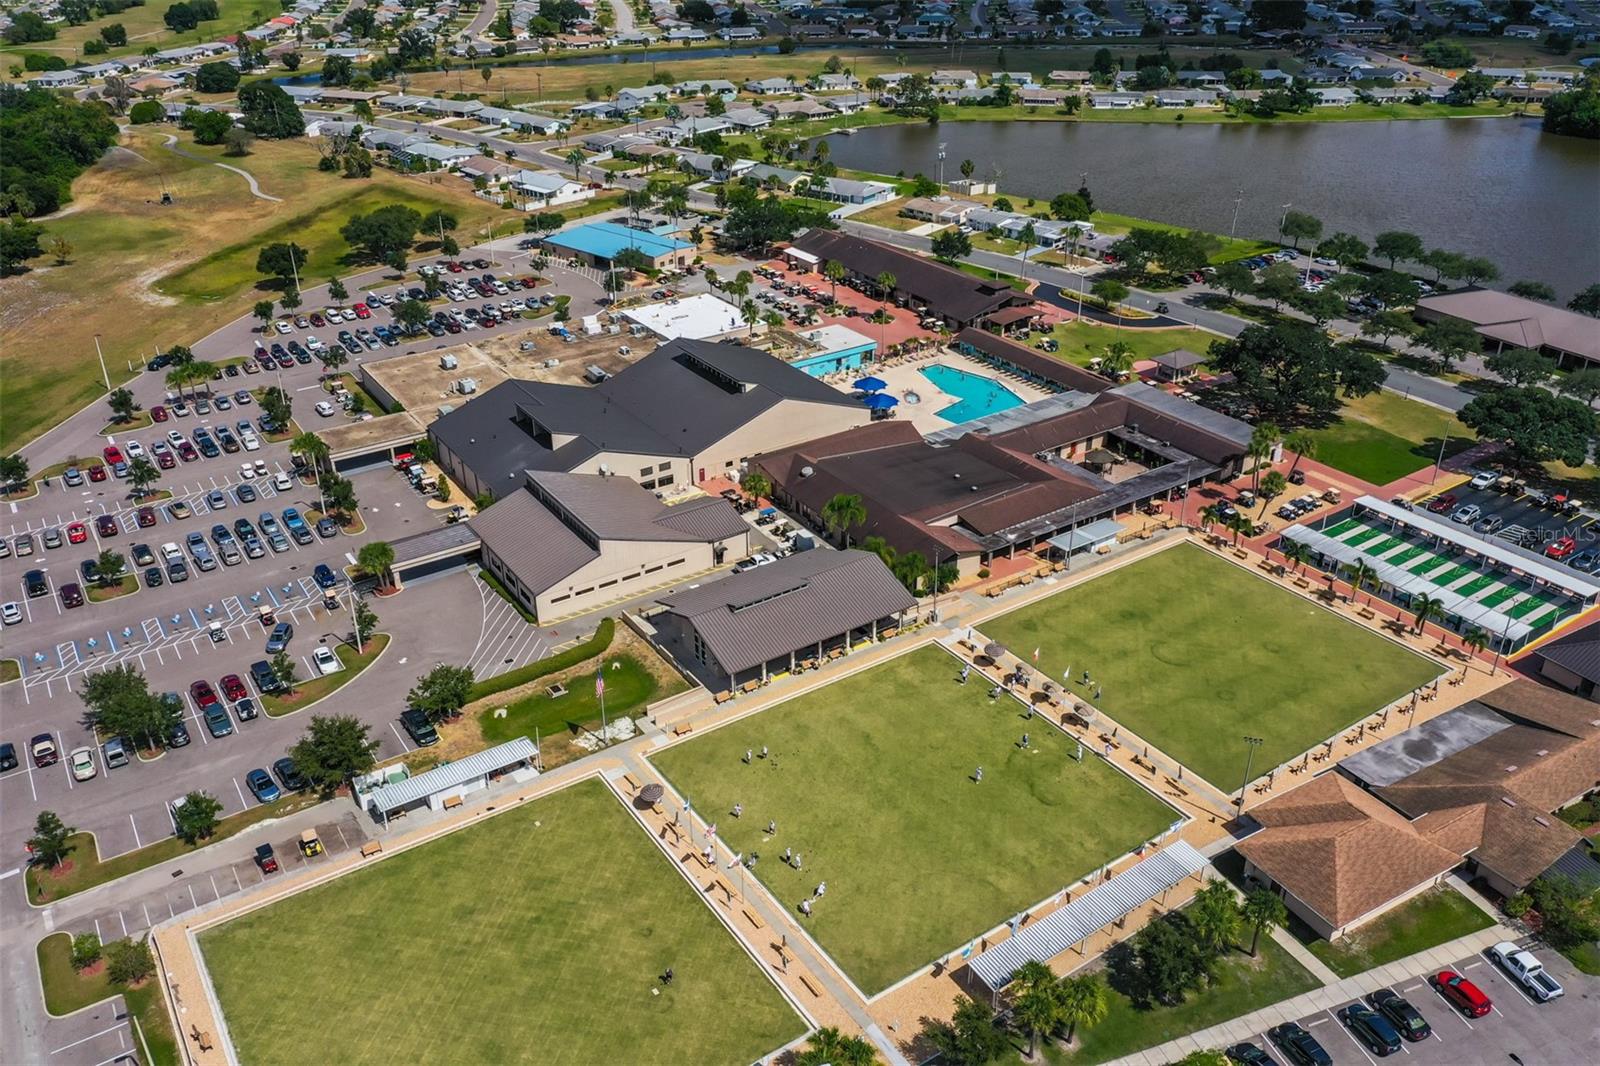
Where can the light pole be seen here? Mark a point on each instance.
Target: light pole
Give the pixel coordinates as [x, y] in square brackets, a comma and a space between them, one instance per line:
[1254, 743]
[104, 376]
[941, 166]
[1284, 221]
[1237, 200]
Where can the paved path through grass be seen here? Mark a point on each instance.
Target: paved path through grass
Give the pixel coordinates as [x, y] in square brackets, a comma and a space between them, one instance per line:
[1195, 653]
[536, 935]
[869, 779]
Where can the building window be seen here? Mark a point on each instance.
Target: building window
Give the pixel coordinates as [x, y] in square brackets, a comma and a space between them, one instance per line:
[608, 584]
[647, 484]
[653, 569]
[677, 562]
[664, 480]
[558, 599]
[584, 592]
[647, 471]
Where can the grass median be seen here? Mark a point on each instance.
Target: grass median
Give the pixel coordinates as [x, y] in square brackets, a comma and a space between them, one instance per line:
[67, 990]
[310, 691]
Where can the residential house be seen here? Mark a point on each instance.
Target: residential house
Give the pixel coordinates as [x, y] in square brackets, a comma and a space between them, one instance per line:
[544, 188]
[964, 79]
[850, 191]
[1071, 77]
[634, 97]
[739, 33]
[747, 119]
[797, 110]
[939, 209]
[707, 87]
[1115, 101]
[769, 86]
[834, 82]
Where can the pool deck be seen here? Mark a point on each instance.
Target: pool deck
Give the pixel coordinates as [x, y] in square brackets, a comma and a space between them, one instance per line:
[908, 377]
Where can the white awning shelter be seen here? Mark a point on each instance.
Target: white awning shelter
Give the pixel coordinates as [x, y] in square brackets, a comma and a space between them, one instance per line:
[801, 256]
[453, 779]
[1090, 536]
[1074, 923]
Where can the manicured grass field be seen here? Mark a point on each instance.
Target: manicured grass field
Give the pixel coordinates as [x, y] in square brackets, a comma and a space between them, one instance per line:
[628, 689]
[537, 934]
[146, 28]
[870, 780]
[1383, 437]
[1194, 653]
[1431, 919]
[1085, 340]
[1243, 985]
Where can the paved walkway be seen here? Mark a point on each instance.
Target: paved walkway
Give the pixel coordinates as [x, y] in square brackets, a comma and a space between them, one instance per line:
[1327, 997]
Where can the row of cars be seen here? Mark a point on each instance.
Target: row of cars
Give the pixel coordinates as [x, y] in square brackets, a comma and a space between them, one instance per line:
[1386, 1020]
[1562, 548]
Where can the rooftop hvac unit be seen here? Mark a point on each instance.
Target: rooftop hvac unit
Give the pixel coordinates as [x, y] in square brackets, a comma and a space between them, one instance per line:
[447, 362]
[467, 386]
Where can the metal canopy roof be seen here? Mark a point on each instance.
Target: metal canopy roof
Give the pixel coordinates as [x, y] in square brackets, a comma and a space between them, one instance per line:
[1043, 940]
[1087, 536]
[415, 789]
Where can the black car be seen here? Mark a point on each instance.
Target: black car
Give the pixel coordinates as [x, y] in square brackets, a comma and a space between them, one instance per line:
[142, 555]
[8, 757]
[1371, 1028]
[325, 577]
[178, 735]
[1247, 1054]
[1401, 1014]
[153, 578]
[1299, 1046]
[289, 776]
[419, 728]
[261, 673]
[35, 584]
[246, 493]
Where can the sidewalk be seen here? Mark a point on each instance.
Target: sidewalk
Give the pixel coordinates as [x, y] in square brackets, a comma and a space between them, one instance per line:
[1327, 997]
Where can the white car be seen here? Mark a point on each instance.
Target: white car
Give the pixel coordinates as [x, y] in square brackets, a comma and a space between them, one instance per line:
[82, 762]
[175, 438]
[261, 468]
[282, 482]
[11, 613]
[313, 344]
[1484, 478]
[133, 450]
[285, 327]
[325, 409]
[326, 661]
[171, 553]
[246, 470]
[250, 441]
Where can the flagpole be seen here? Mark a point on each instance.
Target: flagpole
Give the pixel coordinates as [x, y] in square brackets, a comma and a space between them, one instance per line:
[600, 690]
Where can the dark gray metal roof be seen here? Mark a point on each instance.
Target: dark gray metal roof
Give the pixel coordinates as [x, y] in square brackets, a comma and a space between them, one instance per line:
[790, 605]
[458, 536]
[1423, 745]
[532, 541]
[1578, 651]
[1179, 359]
[615, 508]
[948, 291]
[1187, 411]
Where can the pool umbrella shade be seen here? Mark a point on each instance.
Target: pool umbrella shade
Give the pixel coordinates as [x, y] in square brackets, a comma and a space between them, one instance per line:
[871, 384]
[651, 793]
[994, 650]
[881, 401]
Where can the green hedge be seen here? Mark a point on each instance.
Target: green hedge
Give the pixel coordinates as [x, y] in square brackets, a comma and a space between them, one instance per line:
[505, 594]
[595, 645]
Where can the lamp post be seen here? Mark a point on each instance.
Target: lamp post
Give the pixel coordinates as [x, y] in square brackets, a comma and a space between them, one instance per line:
[1254, 743]
[1237, 200]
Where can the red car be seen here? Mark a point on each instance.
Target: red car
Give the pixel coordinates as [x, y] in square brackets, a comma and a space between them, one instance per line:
[97, 472]
[1441, 504]
[203, 694]
[186, 452]
[112, 453]
[453, 266]
[165, 460]
[362, 311]
[233, 688]
[106, 526]
[158, 413]
[77, 533]
[1561, 547]
[147, 517]
[1462, 994]
[317, 319]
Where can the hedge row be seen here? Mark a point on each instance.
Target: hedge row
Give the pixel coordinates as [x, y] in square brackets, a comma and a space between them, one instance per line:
[595, 645]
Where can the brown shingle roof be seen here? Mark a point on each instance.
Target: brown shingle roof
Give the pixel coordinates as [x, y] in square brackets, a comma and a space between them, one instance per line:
[1341, 851]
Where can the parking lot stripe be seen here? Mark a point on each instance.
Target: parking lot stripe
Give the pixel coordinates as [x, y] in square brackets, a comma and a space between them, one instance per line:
[97, 935]
[85, 1040]
[147, 922]
[136, 842]
[403, 745]
[194, 899]
[123, 922]
[243, 804]
[61, 749]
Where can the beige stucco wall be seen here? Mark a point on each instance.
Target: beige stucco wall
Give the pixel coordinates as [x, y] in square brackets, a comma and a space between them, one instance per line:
[627, 568]
[782, 426]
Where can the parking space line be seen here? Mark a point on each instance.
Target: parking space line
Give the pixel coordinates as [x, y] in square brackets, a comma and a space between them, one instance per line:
[61, 750]
[242, 802]
[136, 841]
[123, 922]
[85, 1040]
[193, 899]
[147, 922]
[403, 745]
[97, 935]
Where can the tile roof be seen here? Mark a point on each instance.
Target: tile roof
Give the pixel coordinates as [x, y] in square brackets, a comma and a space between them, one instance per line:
[792, 604]
[532, 542]
[962, 297]
[1518, 321]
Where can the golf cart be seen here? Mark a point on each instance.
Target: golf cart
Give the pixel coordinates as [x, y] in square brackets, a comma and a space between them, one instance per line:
[266, 860]
[310, 844]
[218, 633]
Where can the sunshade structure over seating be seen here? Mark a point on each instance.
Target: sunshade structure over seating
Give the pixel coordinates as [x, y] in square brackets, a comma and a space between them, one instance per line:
[880, 401]
[994, 650]
[871, 384]
[1077, 921]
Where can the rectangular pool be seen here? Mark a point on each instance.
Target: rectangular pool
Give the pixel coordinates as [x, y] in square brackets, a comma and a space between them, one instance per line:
[977, 395]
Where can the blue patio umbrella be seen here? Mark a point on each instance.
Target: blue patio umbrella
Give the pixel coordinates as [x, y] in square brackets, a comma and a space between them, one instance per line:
[880, 401]
[871, 384]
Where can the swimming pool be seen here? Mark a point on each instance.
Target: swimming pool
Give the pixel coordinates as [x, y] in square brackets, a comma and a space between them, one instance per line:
[978, 395]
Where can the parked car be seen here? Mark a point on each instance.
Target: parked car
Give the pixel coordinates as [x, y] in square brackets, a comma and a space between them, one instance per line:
[289, 775]
[203, 694]
[1371, 1029]
[218, 724]
[1461, 993]
[10, 613]
[82, 763]
[1489, 524]
[279, 638]
[8, 757]
[1483, 479]
[262, 786]
[325, 661]
[324, 575]
[71, 595]
[265, 680]
[233, 688]
[1467, 514]
[1561, 547]
[1299, 1046]
[1527, 971]
[43, 750]
[1248, 1054]
[1442, 504]
[417, 726]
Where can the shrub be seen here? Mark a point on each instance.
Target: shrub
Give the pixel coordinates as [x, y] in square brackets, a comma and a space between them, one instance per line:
[146, 111]
[129, 961]
[1518, 905]
[85, 950]
[595, 645]
[983, 573]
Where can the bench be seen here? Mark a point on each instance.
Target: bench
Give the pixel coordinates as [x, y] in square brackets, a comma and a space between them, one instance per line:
[1301, 583]
[749, 686]
[201, 1037]
[723, 697]
[369, 850]
[1240, 553]
[682, 729]
[807, 985]
[452, 803]
[627, 779]
[750, 916]
[1367, 613]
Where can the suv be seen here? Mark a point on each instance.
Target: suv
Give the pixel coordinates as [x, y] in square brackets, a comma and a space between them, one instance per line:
[1299, 1046]
[279, 639]
[116, 753]
[261, 673]
[419, 728]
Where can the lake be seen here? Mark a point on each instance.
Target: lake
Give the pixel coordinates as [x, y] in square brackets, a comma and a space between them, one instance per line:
[1497, 188]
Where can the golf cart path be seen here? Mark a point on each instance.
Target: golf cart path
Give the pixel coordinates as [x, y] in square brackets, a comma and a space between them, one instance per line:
[255, 188]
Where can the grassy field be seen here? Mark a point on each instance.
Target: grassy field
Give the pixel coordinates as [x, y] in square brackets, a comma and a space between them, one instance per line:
[628, 688]
[1382, 437]
[124, 242]
[1243, 985]
[66, 990]
[1194, 653]
[1084, 340]
[1431, 919]
[870, 780]
[457, 970]
[145, 29]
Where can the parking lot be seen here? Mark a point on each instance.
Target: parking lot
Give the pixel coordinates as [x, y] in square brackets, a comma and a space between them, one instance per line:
[1516, 1030]
[1526, 522]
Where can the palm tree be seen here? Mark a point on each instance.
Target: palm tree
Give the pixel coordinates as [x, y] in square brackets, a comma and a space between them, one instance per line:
[313, 447]
[882, 549]
[1083, 1002]
[1427, 608]
[1476, 639]
[375, 558]
[1262, 909]
[829, 1047]
[833, 270]
[1118, 359]
[1296, 553]
[1361, 576]
[1215, 915]
[842, 512]
[575, 160]
[1037, 1003]
[1210, 515]
[1303, 443]
[756, 485]
[1262, 438]
[886, 284]
[1237, 525]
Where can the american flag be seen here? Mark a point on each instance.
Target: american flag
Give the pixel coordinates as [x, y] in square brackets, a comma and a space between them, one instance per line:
[1035, 654]
[599, 686]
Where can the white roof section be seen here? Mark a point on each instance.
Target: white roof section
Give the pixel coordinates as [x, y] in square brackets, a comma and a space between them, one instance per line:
[1088, 535]
[695, 317]
[837, 338]
[1125, 893]
[451, 775]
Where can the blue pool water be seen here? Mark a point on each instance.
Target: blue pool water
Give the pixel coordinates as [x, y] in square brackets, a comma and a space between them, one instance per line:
[979, 396]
